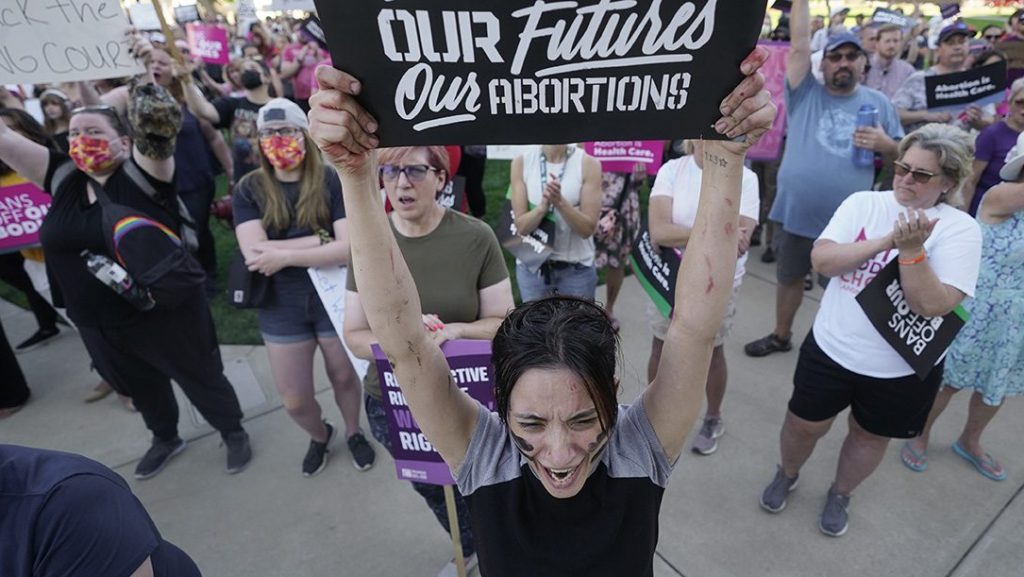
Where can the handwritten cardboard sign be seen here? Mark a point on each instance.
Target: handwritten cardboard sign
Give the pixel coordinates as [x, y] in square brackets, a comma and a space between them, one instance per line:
[921, 341]
[209, 42]
[186, 14]
[415, 458]
[144, 16]
[977, 86]
[22, 209]
[525, 72]
[622, 155]
[43, 42]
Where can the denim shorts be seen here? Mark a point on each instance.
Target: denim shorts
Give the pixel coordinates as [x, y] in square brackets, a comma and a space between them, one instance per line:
[562, 278]
[295, 319]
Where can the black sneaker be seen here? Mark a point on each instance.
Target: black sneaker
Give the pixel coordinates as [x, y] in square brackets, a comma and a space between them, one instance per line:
[42, 337]
[316, 455]
[768, 256]
[765, 346]
[239, 451]
[363, 454]
[157, 457]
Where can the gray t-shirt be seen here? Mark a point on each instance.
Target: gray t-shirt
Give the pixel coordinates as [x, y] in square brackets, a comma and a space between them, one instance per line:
[609, 528]
[817, 171]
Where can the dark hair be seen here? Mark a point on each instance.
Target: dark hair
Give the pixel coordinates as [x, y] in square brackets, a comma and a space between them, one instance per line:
[558, 332]
[27, 126]
[984, 55]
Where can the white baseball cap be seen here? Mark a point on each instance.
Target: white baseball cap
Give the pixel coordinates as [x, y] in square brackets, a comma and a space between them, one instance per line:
[282, 109]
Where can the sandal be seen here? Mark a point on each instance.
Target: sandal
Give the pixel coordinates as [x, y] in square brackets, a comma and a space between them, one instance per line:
[767, 345]
[987, 466]
[917, 462]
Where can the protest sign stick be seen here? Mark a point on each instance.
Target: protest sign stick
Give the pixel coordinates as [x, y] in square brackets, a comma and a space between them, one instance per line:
[453, 522]
[172, 48]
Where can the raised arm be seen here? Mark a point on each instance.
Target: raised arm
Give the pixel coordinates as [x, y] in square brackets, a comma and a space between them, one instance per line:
[674, 398]
[27, 158]
[798, 63]
[343, 131]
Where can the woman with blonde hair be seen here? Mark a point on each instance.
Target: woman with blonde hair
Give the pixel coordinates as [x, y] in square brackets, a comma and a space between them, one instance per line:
[56, 115]
[289, 216]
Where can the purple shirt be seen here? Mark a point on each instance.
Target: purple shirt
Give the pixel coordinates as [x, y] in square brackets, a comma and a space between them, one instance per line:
[992, 146]
[888, 80]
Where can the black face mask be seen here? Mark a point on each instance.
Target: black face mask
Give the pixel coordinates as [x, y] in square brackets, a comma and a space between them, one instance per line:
[251, 80]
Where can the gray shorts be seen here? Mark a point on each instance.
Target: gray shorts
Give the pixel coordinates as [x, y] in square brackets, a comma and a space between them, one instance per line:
[295, 319]
[659, 324]
[793, 257]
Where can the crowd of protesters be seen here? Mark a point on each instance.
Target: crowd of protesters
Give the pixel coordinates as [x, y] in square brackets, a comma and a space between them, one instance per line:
[942, 194]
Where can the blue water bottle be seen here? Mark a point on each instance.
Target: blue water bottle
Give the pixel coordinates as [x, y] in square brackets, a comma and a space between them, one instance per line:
[866, 116]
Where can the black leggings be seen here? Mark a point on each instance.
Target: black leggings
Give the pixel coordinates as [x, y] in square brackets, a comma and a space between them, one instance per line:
[12, 271]
[181, 344]
[13, 389]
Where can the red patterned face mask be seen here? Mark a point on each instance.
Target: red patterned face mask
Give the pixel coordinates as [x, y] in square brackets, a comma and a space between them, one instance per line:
[91, 155]
[283, 152]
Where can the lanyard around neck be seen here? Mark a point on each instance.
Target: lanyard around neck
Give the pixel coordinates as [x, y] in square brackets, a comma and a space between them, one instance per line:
[544, 167]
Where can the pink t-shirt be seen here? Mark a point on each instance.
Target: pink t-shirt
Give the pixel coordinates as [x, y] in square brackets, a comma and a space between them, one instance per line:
[303, 80]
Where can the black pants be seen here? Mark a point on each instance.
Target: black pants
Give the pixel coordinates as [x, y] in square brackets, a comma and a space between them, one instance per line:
[13, 389]
[472, 167]
[181, 344]
[12, 272]
[198, 203]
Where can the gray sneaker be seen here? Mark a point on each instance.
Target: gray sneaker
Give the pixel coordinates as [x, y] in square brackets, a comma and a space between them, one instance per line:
[707, 438]
[773, 499]
[835, 519]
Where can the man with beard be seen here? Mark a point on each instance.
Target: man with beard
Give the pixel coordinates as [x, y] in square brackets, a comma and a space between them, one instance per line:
[950, 56]
[817, 171]
[888, 72]
[237, 113]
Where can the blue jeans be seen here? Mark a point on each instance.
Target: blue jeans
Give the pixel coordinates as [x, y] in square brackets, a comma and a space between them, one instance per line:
[432, 494]
[557, 278]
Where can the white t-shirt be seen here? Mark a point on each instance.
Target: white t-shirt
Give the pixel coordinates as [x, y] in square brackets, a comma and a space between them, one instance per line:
[841, 329]
[680, 180]
[568, 246]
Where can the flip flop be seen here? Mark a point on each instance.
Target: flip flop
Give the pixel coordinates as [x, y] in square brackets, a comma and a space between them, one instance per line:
[987, 466]
[917, 462]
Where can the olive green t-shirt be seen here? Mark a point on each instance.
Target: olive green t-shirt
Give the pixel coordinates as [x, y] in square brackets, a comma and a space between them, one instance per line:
[451, 265]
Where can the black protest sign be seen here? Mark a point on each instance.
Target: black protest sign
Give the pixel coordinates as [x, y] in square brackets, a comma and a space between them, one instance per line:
[311, 26]
[454, 194]
[186, 14]
[920, 340]
[44, 42]
[657, 271]
[526, 72]
[783, 5]
[533, 249]
[950, 10]
[977, 86]
[885, 16]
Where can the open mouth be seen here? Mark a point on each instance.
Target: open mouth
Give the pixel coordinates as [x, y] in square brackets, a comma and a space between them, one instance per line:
[406, 200]
[561, 478]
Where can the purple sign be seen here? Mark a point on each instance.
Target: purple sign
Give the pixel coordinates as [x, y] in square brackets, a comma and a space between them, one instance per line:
[22, 209]
[415, 458]
[774, 70]
[209, 42]
[621, 155]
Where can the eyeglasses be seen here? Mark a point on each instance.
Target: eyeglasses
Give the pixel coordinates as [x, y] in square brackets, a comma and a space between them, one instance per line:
[992, 37]
[286, 131]
[919, 176]
[836, 57]
[96, 108]
[414, 172]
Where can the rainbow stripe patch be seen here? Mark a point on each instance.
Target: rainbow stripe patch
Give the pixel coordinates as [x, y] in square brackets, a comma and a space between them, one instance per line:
[130, 223]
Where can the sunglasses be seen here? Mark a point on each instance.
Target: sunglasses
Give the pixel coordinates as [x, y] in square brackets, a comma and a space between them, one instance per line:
[836, 57]
[992, 37]
[286, 131]
[919, 176]
[414, 172]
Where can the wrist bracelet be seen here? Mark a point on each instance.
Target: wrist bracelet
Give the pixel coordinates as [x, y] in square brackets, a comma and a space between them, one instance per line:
[915, 260]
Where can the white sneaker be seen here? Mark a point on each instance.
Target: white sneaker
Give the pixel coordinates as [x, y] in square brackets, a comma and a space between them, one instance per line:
[449, 570]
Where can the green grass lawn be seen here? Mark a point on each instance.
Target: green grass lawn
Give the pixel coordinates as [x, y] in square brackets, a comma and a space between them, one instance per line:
[238, 327]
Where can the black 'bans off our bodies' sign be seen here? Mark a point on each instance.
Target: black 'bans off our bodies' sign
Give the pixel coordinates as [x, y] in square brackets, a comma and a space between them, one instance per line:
[528, 72]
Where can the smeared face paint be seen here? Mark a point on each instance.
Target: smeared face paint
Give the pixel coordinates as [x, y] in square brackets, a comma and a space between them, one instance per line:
[554, 424]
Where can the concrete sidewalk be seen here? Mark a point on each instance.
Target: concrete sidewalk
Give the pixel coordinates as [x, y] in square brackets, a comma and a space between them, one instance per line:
[270, 521]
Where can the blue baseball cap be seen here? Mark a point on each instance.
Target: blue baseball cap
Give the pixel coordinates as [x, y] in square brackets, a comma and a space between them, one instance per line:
[841, 39]
[954, 29]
